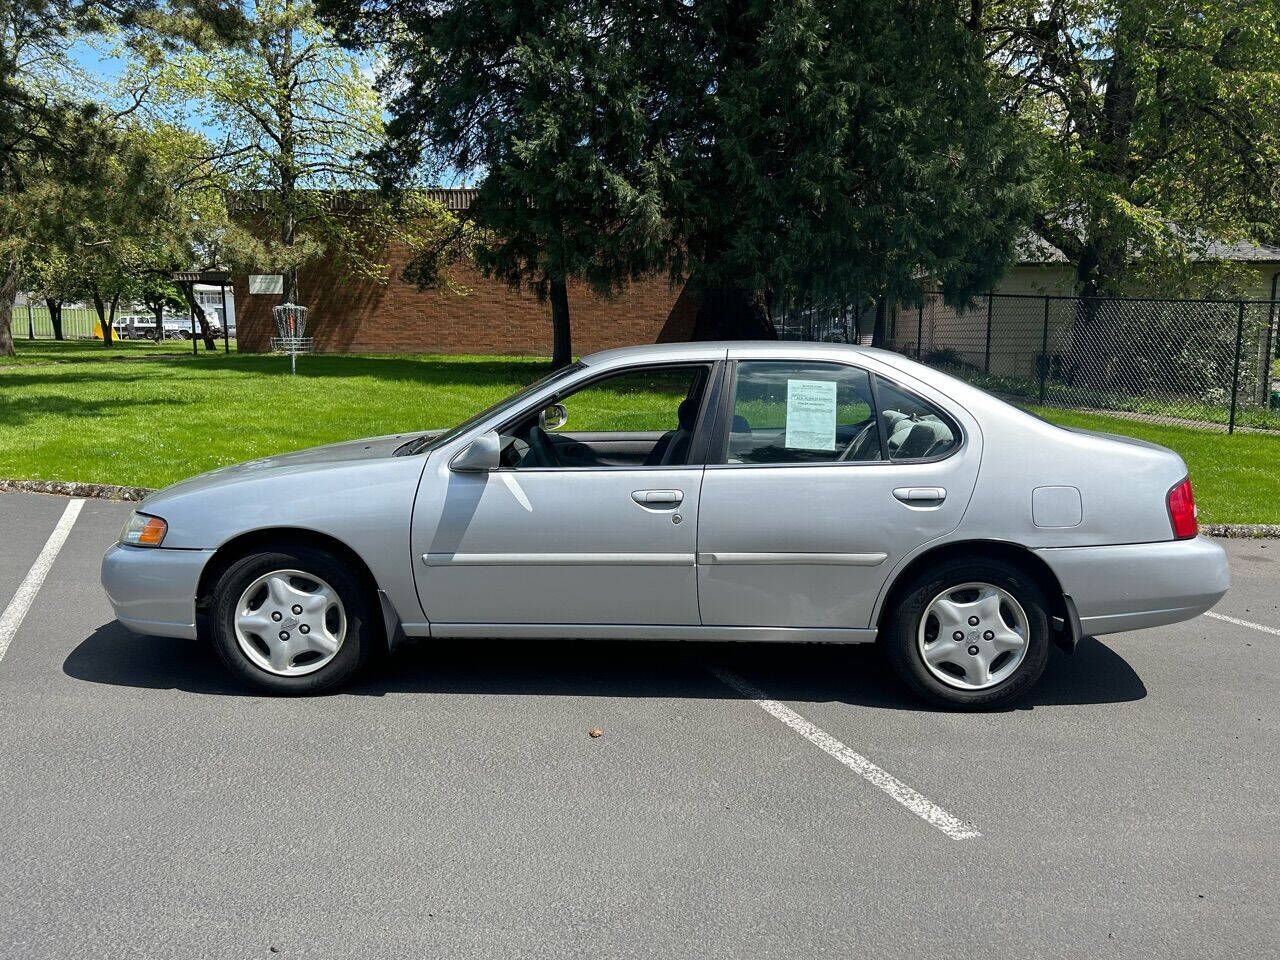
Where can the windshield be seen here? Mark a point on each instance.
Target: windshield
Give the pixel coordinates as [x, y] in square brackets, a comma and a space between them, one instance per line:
[429, 442]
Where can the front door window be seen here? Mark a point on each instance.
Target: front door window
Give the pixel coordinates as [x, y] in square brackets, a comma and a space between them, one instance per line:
[639, 418]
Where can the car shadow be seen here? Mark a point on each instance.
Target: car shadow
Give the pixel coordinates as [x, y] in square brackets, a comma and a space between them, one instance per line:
[853, 674]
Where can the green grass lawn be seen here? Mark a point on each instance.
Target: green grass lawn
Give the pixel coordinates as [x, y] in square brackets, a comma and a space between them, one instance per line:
[143, 414]
[38, 352]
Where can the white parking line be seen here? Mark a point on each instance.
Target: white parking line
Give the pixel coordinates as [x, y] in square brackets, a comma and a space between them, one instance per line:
[17, 609]
[914, 801]
[1243, 623]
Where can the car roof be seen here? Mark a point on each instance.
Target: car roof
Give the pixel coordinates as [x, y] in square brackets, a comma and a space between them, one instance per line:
[655, 352]
[658, 352]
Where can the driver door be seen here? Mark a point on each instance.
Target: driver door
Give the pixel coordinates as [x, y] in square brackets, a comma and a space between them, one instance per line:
[589, 522]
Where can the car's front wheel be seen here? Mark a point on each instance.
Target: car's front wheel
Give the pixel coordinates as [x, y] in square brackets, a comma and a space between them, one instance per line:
[292, 621]
[970, 633]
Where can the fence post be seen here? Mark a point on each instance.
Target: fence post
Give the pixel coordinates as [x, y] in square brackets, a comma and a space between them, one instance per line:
[1044, 351]
[919, 327]
[986, 357]
[226, 336]
[1235, 376]
[1268, 347]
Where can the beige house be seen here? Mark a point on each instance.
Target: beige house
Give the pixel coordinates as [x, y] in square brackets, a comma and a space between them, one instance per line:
[1024, 325]
[1044, 269]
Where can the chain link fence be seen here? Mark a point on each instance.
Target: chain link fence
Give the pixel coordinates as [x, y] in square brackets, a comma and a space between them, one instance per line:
[1202, 363]
[31, 321]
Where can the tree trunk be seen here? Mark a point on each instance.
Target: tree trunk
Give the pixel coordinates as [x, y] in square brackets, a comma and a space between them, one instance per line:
[104, 324]
[287, 231]
[8, 294]
[733, 313]
[54, 306]
[561, 336]
[115, 302]
[287, 236]
[877, 331]
[206, 332]
[287, 164]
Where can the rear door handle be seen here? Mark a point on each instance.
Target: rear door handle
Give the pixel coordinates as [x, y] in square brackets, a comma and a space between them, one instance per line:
[658, 498]
[920, 495]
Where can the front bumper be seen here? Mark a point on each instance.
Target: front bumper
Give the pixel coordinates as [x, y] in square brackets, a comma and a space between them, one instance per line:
[153, 589]
[1136, 585]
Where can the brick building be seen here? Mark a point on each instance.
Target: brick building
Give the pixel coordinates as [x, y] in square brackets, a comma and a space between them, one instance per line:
[346, 314]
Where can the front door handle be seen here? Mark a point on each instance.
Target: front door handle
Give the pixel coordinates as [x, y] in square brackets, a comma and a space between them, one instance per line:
[658, 498]
[920, 496]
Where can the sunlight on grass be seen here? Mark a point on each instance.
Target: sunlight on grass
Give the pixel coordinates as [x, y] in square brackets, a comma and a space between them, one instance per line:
[152, 422]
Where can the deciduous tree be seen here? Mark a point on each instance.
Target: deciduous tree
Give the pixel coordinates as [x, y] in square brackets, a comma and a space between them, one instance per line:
[1157, 125]
[297, 115]
[49, 134]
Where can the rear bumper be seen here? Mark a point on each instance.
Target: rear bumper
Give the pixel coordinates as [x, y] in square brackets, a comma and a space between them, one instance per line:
[153, 590]
[1137, 585]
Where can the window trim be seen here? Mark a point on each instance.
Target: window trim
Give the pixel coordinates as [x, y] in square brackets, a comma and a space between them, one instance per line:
[720, 440]
[697, 443]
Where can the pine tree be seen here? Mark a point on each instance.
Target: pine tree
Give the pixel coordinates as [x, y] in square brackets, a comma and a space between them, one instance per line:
[758, 149]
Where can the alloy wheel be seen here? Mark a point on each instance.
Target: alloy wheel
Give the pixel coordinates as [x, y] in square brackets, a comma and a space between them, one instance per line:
[290, 623]
[973, 636]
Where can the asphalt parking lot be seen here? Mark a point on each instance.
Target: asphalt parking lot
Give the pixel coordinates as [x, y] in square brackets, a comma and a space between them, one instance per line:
[453, 804]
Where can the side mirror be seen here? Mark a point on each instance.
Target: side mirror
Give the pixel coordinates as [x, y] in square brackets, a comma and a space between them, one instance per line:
[553, 417]
[481, 455]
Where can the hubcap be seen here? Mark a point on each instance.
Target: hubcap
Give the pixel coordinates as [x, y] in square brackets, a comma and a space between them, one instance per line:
[973, 636]
[290, 623]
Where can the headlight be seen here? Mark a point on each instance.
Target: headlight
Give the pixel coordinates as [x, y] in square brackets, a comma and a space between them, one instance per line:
[142, 530]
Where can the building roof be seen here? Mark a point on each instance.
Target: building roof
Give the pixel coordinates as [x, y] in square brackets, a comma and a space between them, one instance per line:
[1033, 248]
[453, 199]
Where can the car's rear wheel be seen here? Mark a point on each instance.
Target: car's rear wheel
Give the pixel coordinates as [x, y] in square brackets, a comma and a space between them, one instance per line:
[970, 633]
[291, 621]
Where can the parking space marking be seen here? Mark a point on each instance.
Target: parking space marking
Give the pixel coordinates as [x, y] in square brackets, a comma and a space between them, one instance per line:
[1243, 623]
[17, 609]
[913, 800]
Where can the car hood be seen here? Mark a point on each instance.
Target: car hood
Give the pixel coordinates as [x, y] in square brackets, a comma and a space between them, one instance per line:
[299, 461]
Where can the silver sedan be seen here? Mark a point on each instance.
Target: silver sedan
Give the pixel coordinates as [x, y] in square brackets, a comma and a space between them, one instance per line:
[749, 491]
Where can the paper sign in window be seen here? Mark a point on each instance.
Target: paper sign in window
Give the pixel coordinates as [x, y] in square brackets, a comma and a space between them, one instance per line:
[811, 414]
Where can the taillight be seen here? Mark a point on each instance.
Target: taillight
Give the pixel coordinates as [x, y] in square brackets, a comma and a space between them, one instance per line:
[1182, 511]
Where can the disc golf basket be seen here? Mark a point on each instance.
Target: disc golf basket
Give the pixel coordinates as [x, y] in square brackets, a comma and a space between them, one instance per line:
[291, 325]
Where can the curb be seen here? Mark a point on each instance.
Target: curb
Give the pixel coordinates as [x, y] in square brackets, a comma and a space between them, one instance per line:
[71, 488]
[109, 491]
[1241, 530]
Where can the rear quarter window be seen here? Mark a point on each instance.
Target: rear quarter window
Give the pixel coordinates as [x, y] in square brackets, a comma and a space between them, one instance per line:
[914, 428]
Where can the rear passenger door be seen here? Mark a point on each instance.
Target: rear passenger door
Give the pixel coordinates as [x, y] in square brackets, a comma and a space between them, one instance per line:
[825, 475]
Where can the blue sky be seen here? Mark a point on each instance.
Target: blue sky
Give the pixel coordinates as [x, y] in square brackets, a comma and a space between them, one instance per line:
[105, 69]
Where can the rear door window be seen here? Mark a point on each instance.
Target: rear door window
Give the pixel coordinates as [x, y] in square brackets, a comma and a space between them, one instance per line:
[787, 411]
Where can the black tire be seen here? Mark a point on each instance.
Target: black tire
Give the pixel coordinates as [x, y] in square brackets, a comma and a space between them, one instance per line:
[904, 623]
[356, 646]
